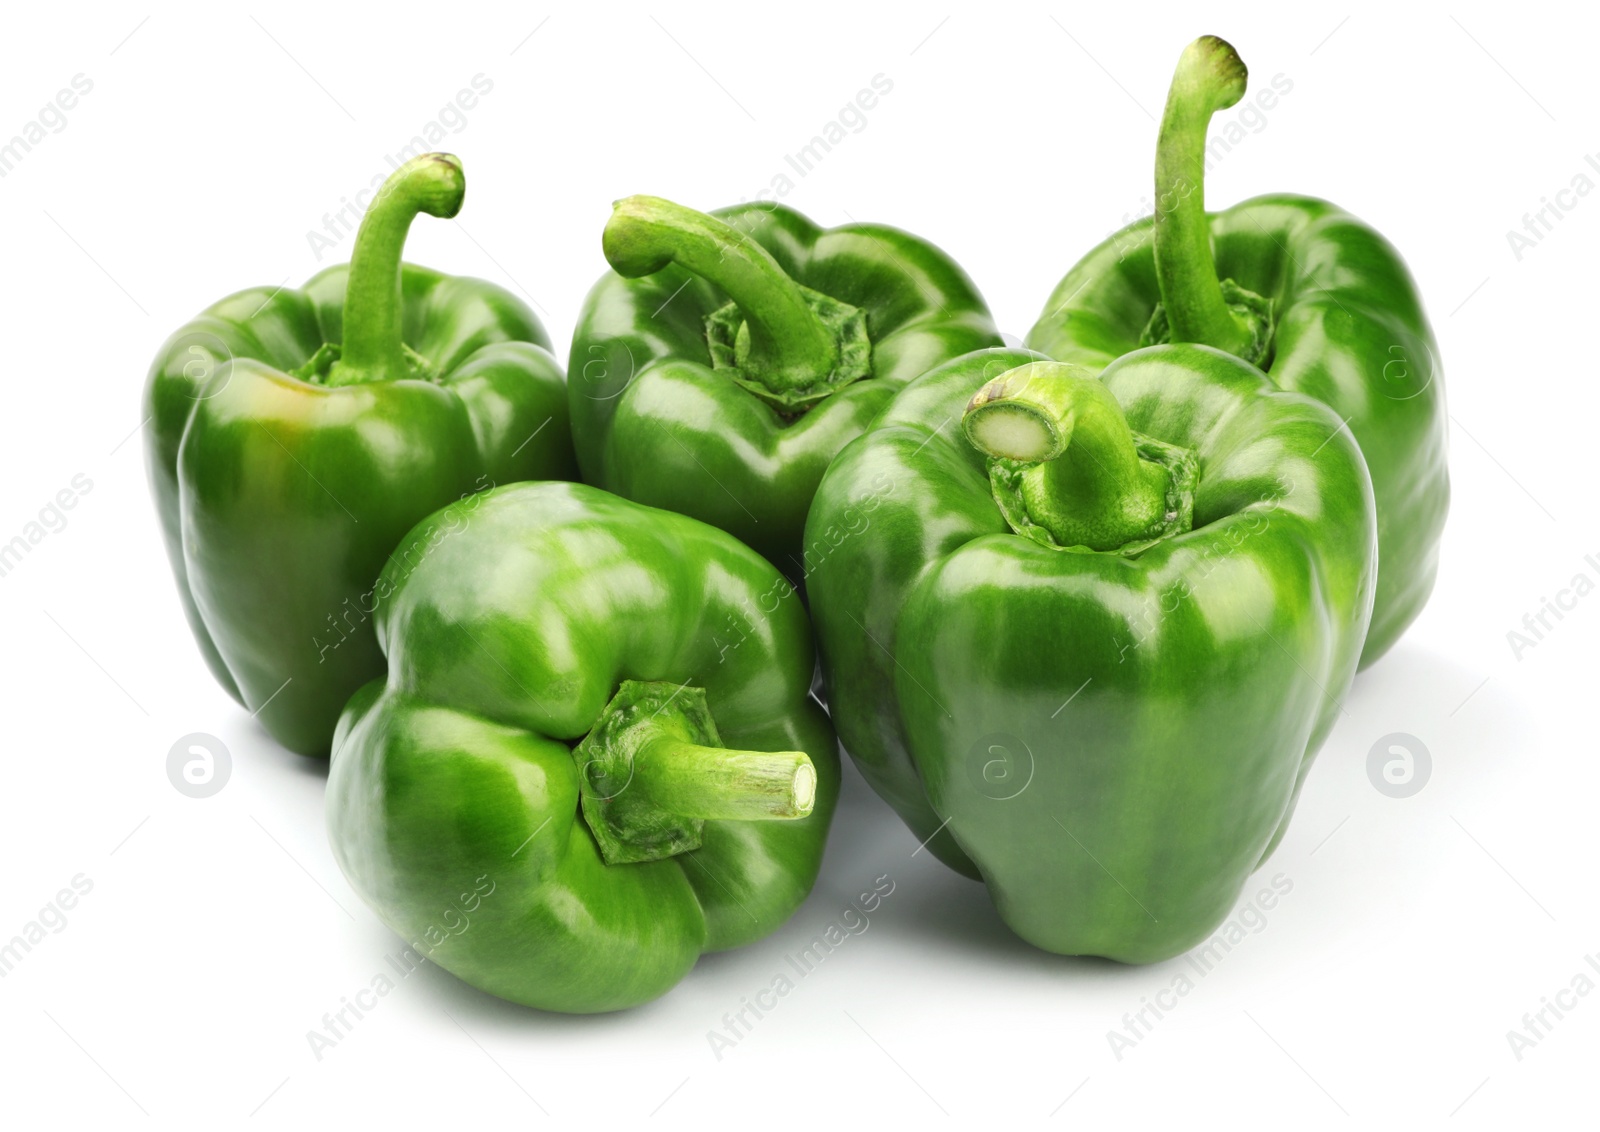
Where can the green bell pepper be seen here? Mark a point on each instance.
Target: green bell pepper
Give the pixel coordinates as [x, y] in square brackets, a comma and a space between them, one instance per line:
[1087, 643]
[293, 437]
[724, 362]
[1318, 299]
[595, 755]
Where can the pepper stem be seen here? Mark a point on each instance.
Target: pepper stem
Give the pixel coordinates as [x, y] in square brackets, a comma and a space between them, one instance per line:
[653, 770]
[373, 349]
[786, 345]
[715, 783]
[1087, 484]
[1210, 77]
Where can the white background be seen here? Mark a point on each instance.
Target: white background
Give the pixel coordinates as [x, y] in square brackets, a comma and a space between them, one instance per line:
[219, 931]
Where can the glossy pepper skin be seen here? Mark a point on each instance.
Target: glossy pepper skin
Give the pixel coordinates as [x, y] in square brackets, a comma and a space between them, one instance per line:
[1112, 739]
[456, 803]
[292, 439]
[741, 441]
[1345, 324]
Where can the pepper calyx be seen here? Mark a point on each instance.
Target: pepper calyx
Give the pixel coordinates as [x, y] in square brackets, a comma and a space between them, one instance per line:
[1254, 312]
[728, 338]
[653, 770]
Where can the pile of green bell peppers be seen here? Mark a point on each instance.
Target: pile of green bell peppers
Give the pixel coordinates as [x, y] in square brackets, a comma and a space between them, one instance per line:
[1085, 610]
